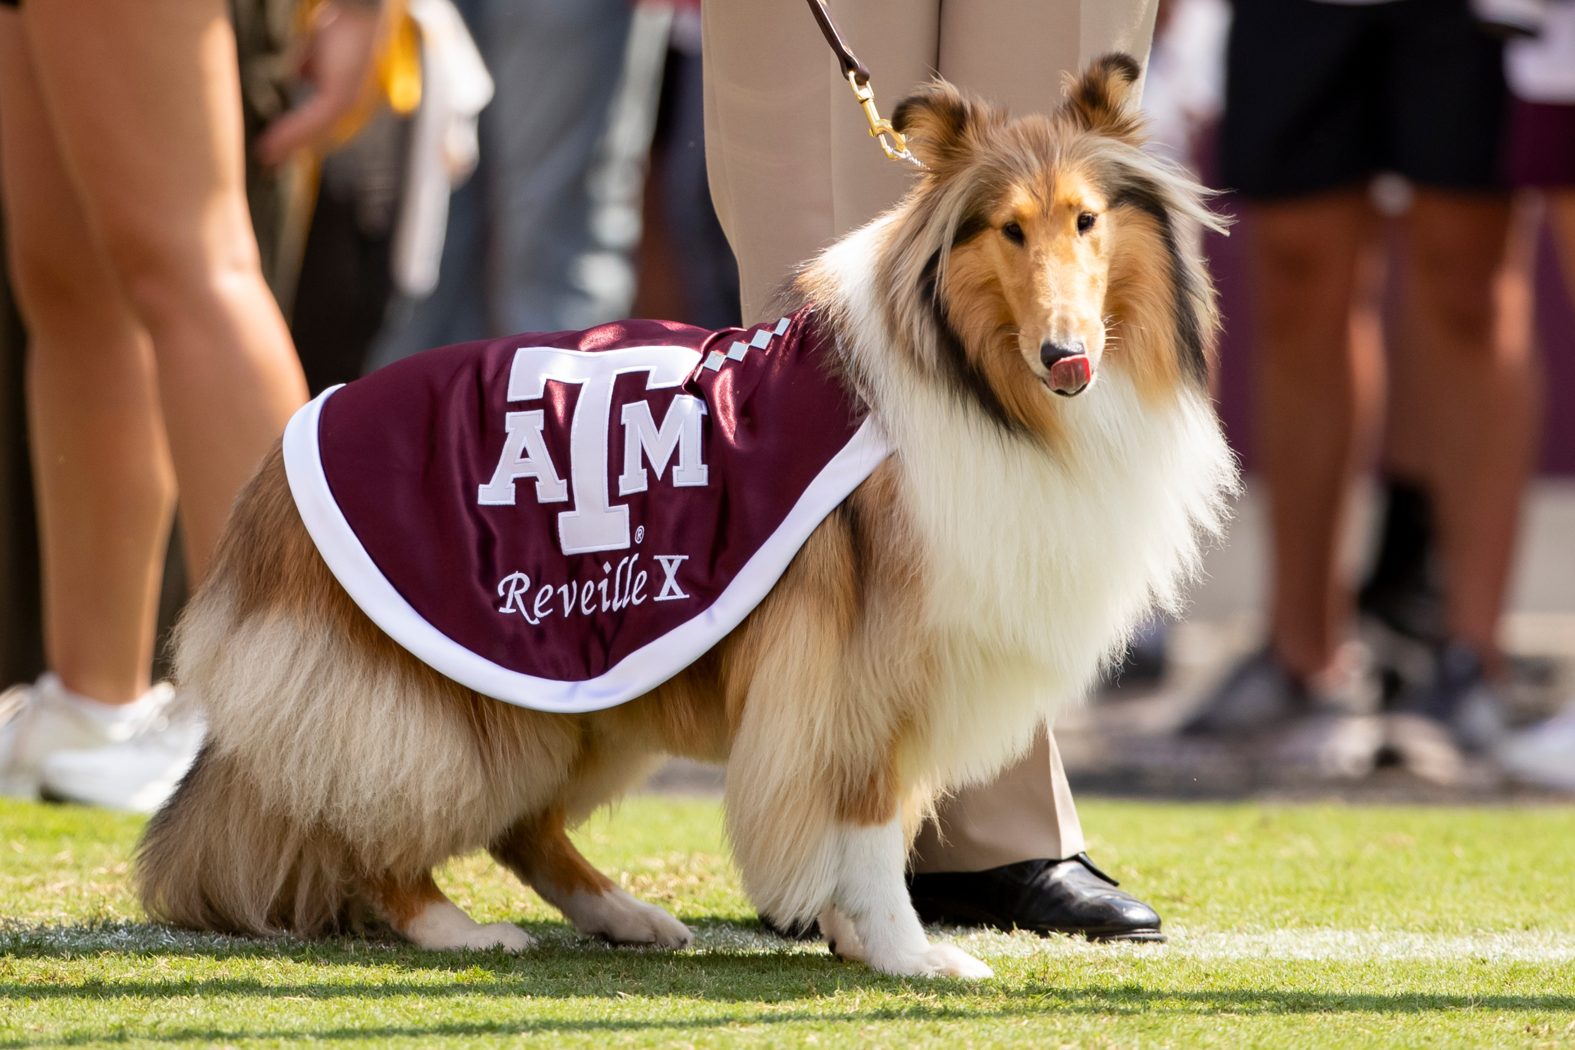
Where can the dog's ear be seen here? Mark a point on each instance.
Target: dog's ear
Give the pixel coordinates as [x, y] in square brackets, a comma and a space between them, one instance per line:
[940, 123]
[1104, 99]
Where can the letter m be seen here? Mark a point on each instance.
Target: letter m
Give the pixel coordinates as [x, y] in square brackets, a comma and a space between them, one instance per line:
[644, 440]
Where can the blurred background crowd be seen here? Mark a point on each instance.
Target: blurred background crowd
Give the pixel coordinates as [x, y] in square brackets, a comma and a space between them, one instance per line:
[1397, 602]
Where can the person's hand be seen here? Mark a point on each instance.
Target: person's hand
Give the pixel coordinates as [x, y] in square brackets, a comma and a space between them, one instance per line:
[337, 64]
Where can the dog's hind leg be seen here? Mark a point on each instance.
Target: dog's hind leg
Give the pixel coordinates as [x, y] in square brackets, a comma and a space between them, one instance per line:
[423, 915]
[538, 850]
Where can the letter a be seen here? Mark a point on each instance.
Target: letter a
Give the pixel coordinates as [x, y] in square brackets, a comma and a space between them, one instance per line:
[524, 455]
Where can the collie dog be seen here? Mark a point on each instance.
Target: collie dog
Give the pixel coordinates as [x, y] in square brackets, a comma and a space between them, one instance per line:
[1031, 327]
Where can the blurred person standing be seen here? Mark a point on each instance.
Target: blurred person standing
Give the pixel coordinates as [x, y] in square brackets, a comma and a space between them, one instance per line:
[268, 33]
[792, 167]
[687, 270]
[541, 237]
[1322, 96]
[158, 358]
[1541, 155]
[1542, 160]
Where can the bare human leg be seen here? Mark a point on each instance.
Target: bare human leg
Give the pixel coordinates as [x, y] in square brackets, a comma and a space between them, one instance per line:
[144, 102]
[1467, 316]
[100, 461]
[1318, 377]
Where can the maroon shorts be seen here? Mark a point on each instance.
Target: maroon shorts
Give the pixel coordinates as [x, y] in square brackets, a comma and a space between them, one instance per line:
[1541, 144]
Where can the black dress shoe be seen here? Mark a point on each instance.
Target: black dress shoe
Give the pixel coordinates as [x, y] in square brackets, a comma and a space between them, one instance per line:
[1046, 896]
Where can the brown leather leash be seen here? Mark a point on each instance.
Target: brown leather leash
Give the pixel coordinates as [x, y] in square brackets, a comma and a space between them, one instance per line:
[857, 75]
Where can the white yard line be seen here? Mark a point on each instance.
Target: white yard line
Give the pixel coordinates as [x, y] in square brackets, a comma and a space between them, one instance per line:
[1311, 945]
[1290, 945]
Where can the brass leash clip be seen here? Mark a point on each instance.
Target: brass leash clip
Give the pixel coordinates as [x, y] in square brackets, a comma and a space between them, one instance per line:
[881, 129]
[892, 142]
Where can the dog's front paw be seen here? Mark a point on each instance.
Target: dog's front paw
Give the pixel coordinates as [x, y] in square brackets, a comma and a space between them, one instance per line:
[503, 935]
[938, 960]
[623, 919]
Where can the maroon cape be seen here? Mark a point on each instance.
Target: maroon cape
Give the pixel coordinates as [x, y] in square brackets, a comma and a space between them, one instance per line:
[564, 521]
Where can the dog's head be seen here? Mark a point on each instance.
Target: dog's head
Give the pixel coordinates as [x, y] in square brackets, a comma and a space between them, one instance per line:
[1050, 247]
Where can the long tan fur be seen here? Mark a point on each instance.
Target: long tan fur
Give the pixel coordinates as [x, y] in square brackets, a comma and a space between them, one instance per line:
[971, 585]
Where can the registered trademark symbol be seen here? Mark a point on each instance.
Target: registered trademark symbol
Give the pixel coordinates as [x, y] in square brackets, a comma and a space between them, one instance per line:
[639, 534]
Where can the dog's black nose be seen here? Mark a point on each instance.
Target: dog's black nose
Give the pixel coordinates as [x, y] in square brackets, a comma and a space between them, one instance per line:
[1050, 353]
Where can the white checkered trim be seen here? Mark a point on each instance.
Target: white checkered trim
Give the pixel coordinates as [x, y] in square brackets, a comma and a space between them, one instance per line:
[736, 352]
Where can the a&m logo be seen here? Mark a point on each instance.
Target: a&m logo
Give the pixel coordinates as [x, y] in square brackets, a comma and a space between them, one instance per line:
[594, 522]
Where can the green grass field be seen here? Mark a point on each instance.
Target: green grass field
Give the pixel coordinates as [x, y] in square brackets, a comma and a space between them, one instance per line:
[1319, 926]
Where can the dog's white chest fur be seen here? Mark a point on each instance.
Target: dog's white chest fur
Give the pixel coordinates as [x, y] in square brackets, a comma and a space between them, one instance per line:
[1043, 564]
[1038, 562]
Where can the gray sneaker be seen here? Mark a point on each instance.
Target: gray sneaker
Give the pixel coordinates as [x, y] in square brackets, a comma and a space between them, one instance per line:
[1255, 694]
[1461, 700]
[1438, 727]
[1328, 745]
[1423, 747]
[1260, 694]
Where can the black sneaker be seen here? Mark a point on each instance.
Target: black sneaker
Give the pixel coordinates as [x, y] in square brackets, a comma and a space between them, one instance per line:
[1461, 700]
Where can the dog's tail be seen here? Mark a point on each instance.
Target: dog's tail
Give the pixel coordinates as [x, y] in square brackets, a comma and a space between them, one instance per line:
[214, 858]
[228, 851]
[334, 758]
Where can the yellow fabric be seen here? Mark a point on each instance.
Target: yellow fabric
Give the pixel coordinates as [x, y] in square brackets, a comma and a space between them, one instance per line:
[399, 61]
[396, 68]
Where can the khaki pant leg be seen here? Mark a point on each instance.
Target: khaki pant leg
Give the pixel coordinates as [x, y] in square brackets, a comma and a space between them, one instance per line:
[1017, 52]
[791, 167]
[1026, 812]
[788, 155]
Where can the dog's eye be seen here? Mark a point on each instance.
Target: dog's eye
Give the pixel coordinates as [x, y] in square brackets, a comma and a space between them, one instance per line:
[1085, 221]
[1013, 232]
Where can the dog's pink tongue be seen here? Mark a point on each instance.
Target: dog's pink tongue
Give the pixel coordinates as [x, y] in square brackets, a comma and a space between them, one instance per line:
[1071, 374]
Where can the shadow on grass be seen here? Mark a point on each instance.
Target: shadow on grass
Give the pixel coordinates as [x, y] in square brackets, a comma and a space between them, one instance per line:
[566, 968]
[1087, 1001]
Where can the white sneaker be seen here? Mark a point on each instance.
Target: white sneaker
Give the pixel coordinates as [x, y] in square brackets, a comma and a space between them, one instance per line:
[45, 717]
[1544, 754]
[1425, 747]
[1329, 745]
[136, 774]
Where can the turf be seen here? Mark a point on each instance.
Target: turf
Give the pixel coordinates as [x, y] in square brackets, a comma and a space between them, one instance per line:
[1326, 926]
